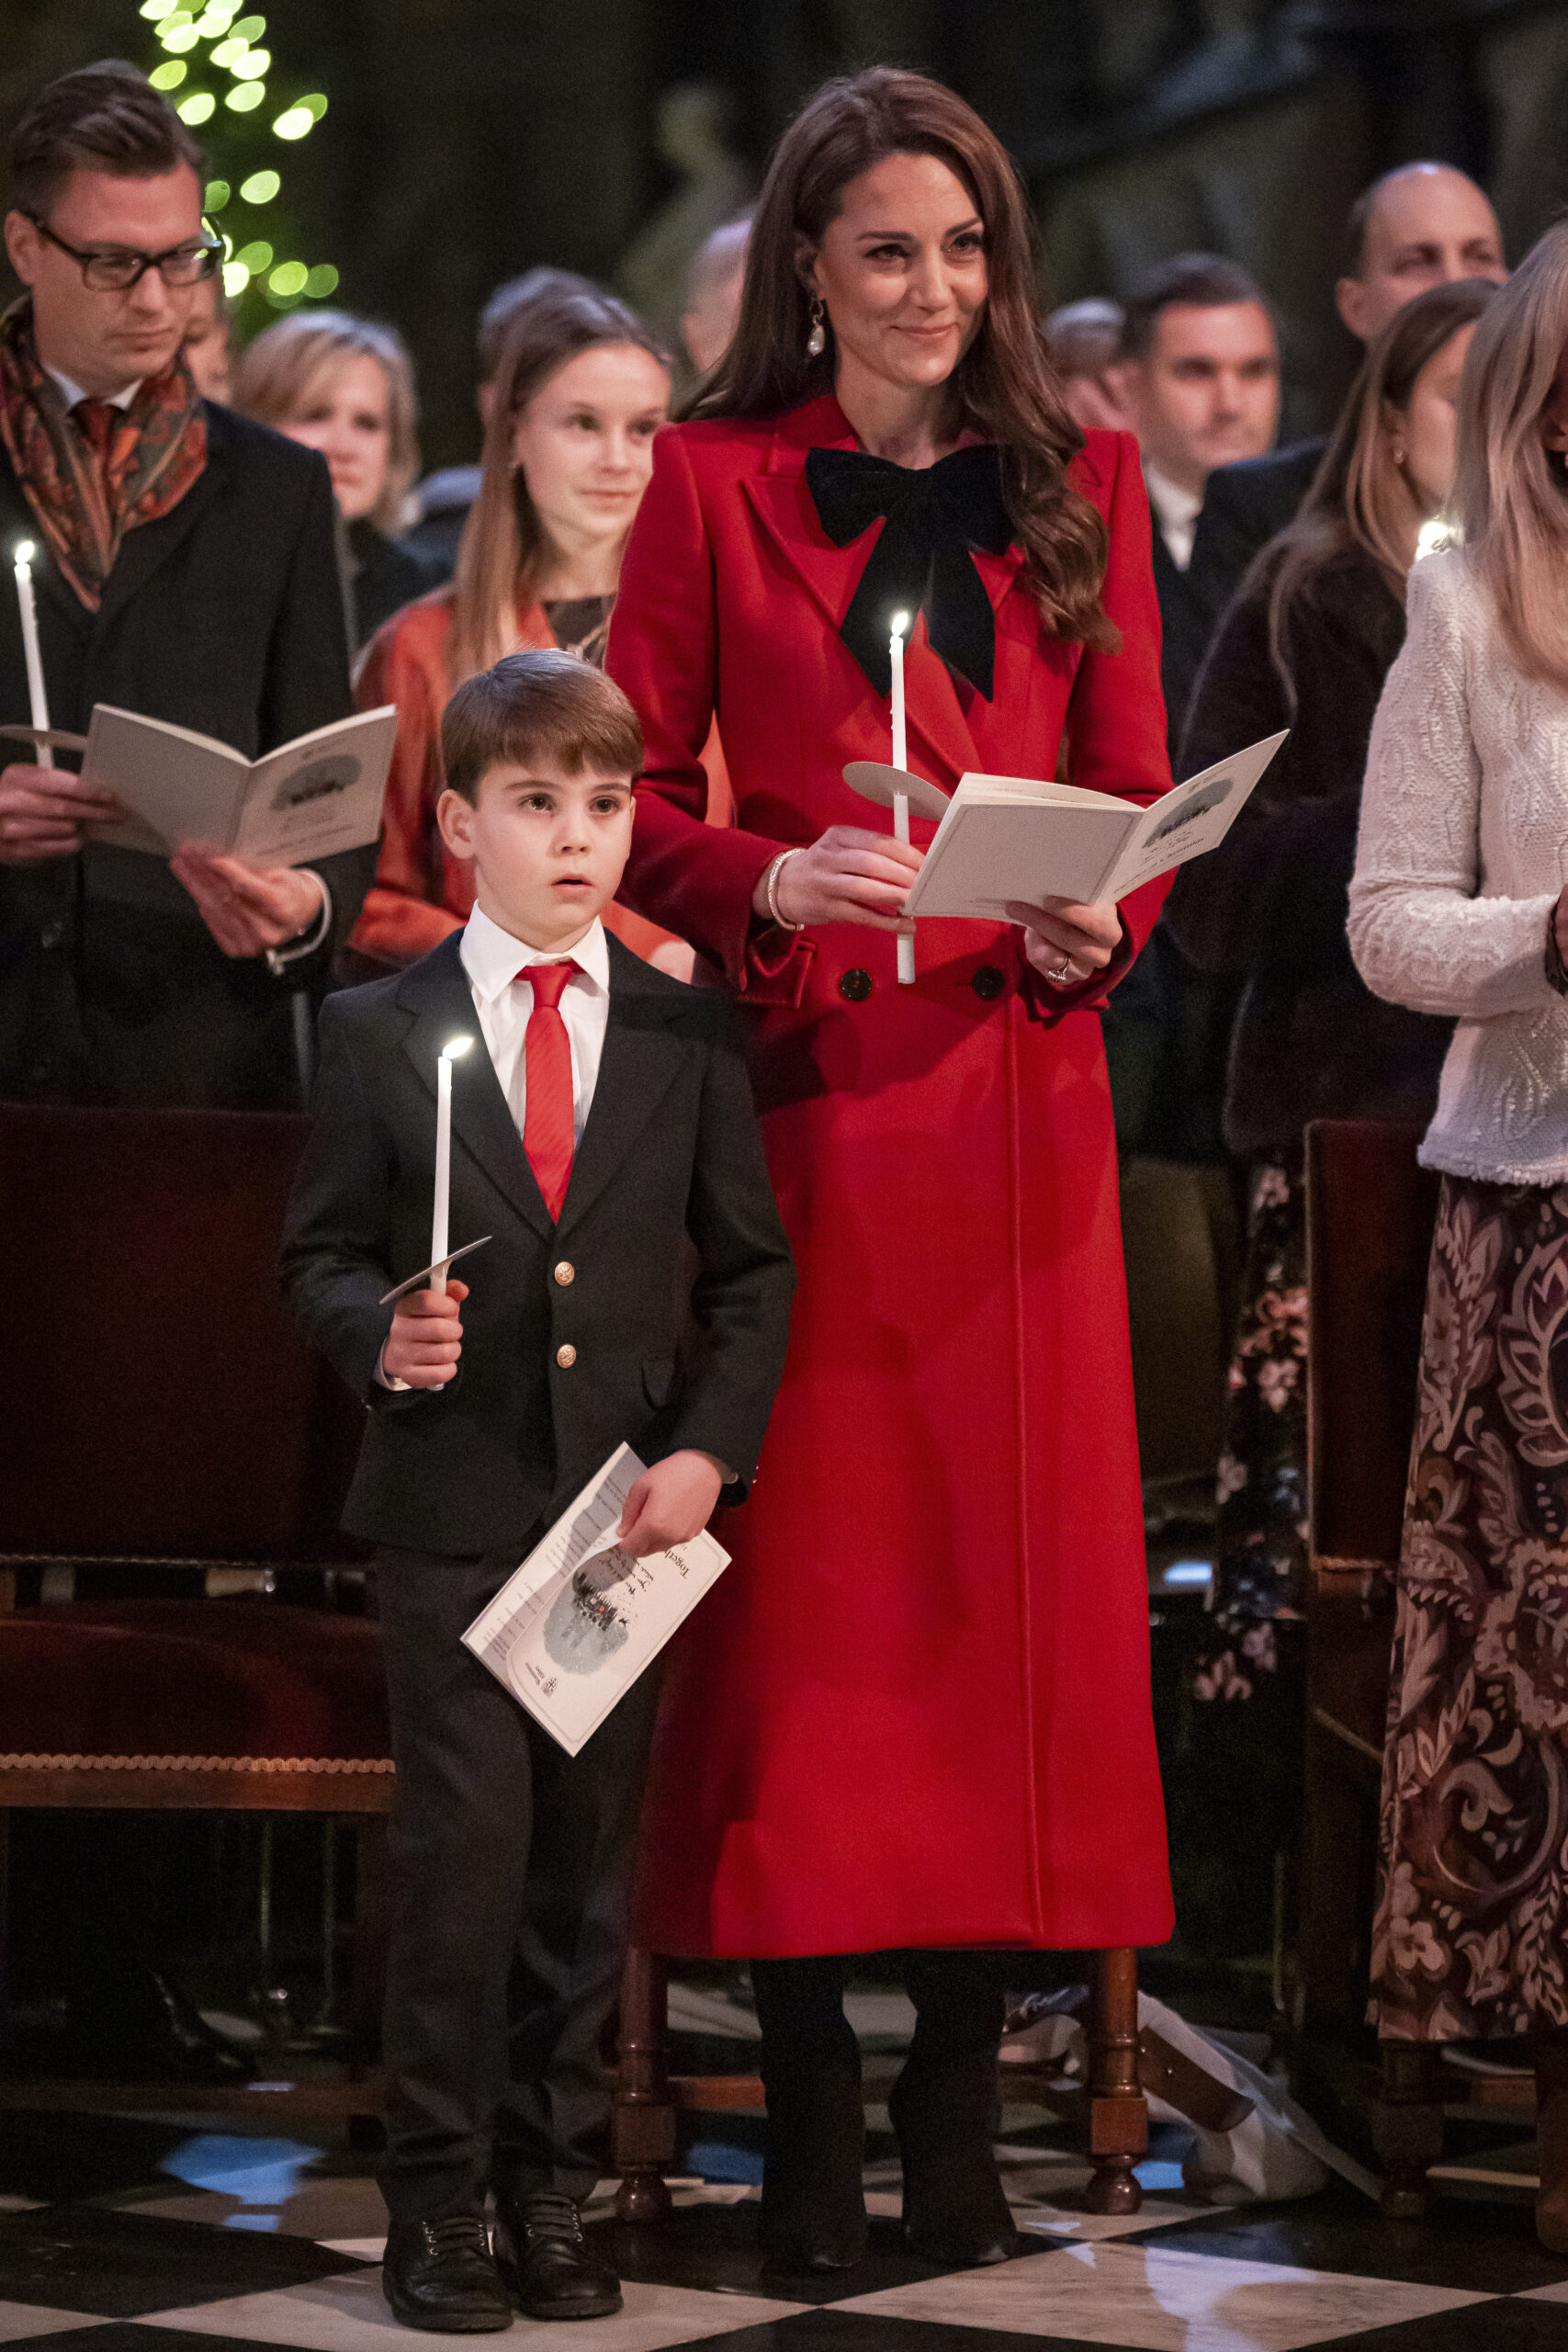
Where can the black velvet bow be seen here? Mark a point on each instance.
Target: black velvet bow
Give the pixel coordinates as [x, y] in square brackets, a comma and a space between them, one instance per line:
[934, 515]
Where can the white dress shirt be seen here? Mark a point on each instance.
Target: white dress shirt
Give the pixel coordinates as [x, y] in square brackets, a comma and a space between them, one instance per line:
[493, 958]
[71, 394]
[1175, 514]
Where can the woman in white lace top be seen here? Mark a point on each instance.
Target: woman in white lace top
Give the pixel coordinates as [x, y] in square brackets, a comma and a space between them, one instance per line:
[1459, 907]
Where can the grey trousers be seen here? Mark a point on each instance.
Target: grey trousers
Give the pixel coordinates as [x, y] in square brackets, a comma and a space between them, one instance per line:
[510, 1865]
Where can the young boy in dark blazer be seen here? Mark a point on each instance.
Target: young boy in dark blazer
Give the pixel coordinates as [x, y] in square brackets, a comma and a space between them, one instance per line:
[604, 1133]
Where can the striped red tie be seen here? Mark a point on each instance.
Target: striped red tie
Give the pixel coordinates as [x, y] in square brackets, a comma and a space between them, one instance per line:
[547, 1108]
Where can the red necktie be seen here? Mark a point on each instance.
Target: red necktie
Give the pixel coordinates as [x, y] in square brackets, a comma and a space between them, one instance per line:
[546, 1060]
[97, 421]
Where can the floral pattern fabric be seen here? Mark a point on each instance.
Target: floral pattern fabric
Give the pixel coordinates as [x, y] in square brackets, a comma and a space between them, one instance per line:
[1471, 1938]
[82, 500]
[1244, 1738]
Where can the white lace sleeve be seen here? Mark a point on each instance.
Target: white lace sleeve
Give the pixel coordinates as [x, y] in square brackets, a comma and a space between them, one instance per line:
[1419, 933]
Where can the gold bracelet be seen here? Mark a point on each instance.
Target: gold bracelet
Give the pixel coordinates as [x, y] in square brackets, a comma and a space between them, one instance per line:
[774, 870]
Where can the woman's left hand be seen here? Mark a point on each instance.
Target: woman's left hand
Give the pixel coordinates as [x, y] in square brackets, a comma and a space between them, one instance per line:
[1065, 943]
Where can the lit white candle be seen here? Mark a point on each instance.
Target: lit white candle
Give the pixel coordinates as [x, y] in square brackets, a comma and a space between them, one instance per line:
[449, 1054]
[901, 762]
[38, 693]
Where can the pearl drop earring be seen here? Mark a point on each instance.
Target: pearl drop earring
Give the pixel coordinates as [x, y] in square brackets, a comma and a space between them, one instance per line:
[817, 340]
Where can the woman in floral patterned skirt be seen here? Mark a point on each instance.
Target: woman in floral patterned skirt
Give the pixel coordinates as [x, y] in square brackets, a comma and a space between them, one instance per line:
[1458, 907]
[1306, 645]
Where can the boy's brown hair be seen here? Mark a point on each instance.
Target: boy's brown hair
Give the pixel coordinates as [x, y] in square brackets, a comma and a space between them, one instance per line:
[544, 706]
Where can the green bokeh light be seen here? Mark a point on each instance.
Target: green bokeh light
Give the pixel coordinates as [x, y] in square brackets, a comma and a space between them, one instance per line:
[255, 258]
[261, 187]
[169, 76]
[289, 278]
[197, 108]
[245, 97]
[321, 281]
[217, 195]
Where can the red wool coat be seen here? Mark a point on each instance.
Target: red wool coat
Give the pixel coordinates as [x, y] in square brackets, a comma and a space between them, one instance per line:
[915, 1710]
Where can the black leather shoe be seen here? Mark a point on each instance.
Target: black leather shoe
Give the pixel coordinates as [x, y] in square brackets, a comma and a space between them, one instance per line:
[442, 2276]
[954, 2212]
[546, 2261]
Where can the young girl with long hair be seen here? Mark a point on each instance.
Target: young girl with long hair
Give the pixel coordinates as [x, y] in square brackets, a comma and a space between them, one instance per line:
[914, 1714]
[1459, 910]
[1306, 645]
[580, 393]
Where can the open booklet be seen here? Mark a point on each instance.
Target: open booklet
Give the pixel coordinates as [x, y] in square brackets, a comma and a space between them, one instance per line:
[307, 799]
[1009, 838]
[571, 1631]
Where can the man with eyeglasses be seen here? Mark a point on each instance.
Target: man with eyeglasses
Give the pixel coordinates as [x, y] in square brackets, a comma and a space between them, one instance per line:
[186, 570]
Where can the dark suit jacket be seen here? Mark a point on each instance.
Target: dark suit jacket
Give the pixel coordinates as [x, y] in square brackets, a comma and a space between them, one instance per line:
[1268, 907]
[670, 1158]
[1184, 631]
[1243, 507]
[224, 615]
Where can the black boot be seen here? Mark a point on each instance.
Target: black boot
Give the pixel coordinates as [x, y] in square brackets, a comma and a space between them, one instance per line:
[945, 2109]
[440, 2276]
[546, 2261]
[813, 2219]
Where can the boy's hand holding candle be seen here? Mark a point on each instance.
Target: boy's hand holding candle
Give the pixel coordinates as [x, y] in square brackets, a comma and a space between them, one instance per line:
[426, 1337]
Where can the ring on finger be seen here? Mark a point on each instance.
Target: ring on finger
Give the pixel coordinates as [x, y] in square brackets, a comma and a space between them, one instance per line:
[1060, 973]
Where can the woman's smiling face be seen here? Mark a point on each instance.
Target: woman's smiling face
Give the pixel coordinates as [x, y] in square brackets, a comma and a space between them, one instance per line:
[902, 270]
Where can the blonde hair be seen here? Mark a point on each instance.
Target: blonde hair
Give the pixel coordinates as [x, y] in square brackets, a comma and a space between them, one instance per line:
[275, 375]
[502, 553]
[1359, 497]
[1510, 490]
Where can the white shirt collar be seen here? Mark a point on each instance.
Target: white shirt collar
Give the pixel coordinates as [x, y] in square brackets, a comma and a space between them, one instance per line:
[1175, 512]
[71, 394]
[492, 957]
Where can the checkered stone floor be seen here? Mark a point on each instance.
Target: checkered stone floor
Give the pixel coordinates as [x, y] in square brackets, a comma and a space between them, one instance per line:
[149, 2238]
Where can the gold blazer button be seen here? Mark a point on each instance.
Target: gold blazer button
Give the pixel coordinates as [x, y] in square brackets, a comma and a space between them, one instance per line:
[565, 1357]
[566, 1272]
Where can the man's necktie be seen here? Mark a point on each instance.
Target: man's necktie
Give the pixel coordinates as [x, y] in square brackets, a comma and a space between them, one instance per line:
[546, 1061]
[97, 421]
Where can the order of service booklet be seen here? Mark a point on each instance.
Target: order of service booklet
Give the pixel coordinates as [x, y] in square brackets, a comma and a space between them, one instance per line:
[571, 1631]
[1008, 838]
[309, 798]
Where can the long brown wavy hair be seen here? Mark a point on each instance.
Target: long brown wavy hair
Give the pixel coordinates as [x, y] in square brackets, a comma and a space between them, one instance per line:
[1359, 497]
[501, 554]
[1005, 389]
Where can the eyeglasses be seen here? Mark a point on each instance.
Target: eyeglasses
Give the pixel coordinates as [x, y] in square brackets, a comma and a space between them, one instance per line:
[116, 270]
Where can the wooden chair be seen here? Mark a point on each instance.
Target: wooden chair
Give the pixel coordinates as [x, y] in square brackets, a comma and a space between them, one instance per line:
[650, 2099]
[1371, 1213]
[170, 1416]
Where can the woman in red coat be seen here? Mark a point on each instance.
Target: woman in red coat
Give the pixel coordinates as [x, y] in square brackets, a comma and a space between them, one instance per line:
[915, 1713]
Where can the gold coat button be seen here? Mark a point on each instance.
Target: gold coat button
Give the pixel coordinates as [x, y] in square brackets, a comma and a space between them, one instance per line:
[566, 1272]
[565, 1357]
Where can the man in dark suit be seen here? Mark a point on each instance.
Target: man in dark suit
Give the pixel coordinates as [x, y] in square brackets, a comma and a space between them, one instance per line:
[603, 1130]
[186, 570]
[1198, 375]
[1416, 227]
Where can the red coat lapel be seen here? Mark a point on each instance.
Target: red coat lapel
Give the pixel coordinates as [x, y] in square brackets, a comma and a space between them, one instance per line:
[783, 505]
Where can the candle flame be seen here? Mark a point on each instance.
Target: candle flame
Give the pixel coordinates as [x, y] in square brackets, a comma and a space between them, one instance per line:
[25, 551]
[454, 1047]
[900, 624]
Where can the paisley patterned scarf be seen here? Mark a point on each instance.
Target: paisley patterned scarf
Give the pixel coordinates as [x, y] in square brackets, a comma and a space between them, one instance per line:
[84, 501]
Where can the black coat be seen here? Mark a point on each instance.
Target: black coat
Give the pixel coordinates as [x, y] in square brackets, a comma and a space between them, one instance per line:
[670, 1161]
[383, 575]
[1310, 1041]
[1245, 507]
[224, 615]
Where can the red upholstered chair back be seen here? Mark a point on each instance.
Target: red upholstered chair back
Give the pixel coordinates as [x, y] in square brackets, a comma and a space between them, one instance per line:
[1370, 1210]
[158, 1402]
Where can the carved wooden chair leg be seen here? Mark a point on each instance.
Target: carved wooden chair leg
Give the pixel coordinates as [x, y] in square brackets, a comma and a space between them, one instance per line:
[643, 2130]
[1118, 2111]
[1407, 2126]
